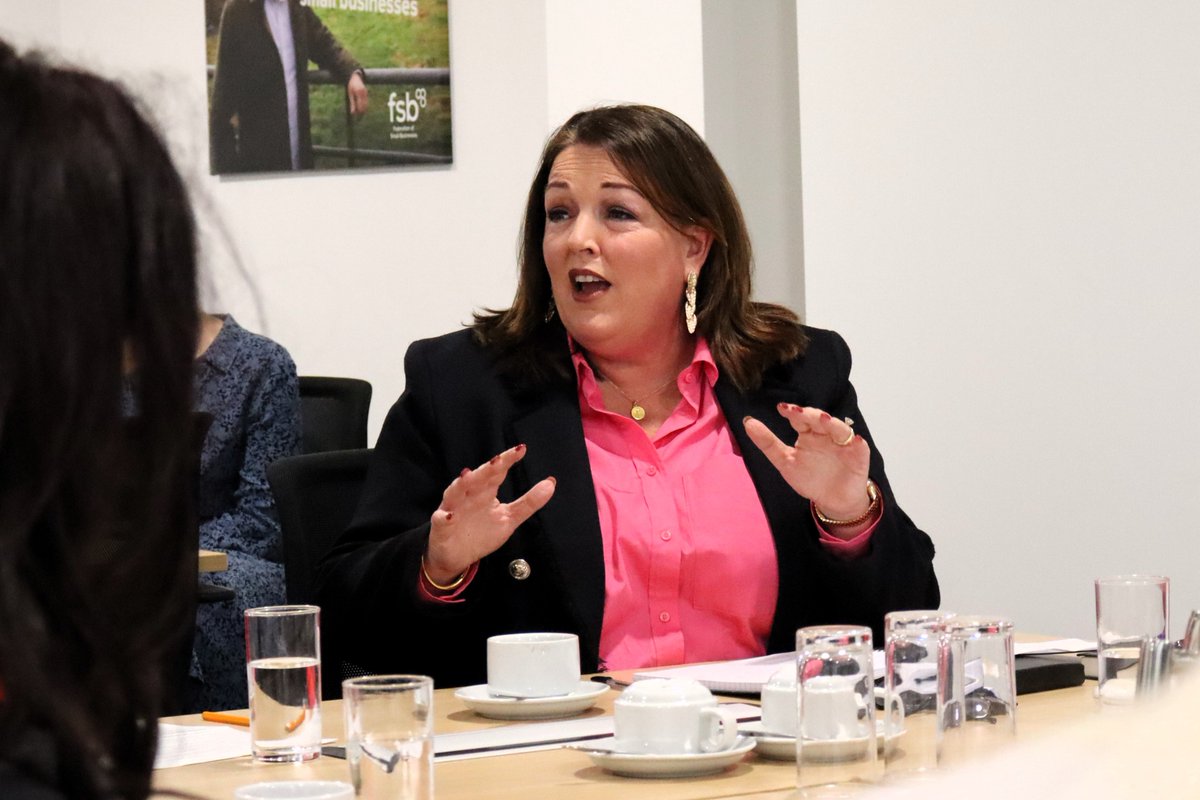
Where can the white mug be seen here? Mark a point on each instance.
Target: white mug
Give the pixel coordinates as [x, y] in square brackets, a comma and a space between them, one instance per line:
[662, 716]
[780, 714]
[830, 708]
[532, 664]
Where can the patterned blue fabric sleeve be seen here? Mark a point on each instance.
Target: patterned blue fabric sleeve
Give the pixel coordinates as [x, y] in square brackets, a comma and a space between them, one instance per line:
[270, 426]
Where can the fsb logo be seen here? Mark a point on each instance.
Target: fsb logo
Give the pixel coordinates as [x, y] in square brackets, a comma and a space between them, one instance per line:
[406, 109]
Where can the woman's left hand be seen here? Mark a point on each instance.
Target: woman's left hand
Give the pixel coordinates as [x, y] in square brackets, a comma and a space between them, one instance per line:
[827, 463]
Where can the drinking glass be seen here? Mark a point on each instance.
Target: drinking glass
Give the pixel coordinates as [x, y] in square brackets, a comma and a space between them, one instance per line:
[977, 687]
[911, 641]
[389, 736]
[283, 671]
[835, 687]
[1129, 608]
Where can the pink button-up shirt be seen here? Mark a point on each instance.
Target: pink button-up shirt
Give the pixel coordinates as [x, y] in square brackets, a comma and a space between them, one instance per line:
[689, 562]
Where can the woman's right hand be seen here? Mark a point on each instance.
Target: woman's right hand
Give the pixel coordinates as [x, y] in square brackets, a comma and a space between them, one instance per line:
[471, 522]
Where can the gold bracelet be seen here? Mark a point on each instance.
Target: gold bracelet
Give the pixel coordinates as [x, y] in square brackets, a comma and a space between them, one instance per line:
[872, 493]
[454, 585]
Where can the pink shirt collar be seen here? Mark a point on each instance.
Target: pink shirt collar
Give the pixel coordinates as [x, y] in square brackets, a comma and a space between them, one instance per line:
[703, 367]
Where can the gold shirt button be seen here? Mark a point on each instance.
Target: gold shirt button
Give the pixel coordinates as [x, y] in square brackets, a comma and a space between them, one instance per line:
[519, 569]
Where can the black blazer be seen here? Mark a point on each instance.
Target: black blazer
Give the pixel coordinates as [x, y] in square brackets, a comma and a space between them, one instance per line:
[458, 410]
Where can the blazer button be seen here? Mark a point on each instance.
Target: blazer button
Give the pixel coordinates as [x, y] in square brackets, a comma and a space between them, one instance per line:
[519, 569]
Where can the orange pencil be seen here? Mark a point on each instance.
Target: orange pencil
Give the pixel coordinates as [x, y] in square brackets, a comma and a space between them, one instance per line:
[229, 719]
[297, 722]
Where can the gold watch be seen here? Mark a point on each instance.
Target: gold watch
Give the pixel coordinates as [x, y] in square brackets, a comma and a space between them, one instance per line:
[872, 494]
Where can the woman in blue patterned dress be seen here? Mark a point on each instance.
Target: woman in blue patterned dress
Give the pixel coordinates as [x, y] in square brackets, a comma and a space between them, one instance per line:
[248, 384]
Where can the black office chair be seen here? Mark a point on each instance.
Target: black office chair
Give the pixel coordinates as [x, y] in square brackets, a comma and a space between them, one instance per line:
[333, 413]
[316, 495]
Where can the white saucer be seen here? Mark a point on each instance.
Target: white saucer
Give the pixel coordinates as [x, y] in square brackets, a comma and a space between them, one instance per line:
[783, 748]
[653, 765]
[563, 705]
[778, 748]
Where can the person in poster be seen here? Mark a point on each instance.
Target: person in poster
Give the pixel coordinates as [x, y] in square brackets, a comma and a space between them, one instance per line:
[260, 115]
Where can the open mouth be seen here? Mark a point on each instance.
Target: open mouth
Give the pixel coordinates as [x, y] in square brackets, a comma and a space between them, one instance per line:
[587, 284]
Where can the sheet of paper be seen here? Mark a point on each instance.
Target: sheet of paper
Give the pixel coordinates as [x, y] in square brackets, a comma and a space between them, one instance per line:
[527, 737]
[179, 745]
[1055, 646]
[744, 675]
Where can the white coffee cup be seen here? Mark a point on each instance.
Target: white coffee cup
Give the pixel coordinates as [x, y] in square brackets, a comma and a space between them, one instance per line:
[780, 714]
[830, 708]
[674, 716]
[532, 664]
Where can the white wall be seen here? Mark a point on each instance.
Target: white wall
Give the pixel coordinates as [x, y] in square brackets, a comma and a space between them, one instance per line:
[752, 124]
[1001, 208]
[624, 51]
[24, 24]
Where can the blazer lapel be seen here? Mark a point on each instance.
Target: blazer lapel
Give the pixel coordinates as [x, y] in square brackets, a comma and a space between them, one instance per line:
[761, 405]
[785, 510]
[569, 534]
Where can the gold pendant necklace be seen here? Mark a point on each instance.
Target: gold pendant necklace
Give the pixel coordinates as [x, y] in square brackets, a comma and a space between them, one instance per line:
[637, 410]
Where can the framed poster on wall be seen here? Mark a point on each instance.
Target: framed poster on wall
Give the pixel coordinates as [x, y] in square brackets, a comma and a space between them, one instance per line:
[327, 84]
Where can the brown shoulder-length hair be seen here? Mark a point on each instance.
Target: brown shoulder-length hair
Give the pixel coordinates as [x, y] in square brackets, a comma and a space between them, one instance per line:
[674, 169]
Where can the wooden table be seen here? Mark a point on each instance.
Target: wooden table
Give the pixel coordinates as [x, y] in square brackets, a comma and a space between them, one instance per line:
[213, 561]
[553, 774]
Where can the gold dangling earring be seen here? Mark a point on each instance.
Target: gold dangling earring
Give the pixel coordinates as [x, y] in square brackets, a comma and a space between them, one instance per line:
[689, 303]
[550, 311]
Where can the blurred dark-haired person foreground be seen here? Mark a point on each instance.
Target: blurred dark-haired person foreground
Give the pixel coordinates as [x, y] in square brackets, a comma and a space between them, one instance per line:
[97, 525]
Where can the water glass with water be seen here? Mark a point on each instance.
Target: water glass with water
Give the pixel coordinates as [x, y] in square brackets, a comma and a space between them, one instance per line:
[283, 670]
[1129, 608]
[389, 736]
[977, 687]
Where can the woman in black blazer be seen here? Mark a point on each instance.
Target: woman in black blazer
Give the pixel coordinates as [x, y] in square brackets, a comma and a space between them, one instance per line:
[492, 506]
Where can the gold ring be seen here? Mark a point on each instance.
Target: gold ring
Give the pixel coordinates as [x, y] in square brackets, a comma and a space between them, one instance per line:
[850, 436]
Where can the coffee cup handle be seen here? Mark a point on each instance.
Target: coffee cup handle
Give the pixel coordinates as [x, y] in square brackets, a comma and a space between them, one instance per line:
[719, 729]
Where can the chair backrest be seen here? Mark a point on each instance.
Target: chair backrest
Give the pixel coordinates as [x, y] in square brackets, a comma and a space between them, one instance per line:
[333, 413]
[316, 495]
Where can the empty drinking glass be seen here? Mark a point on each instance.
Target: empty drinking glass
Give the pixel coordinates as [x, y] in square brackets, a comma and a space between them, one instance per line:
[977, 687]
[1129, 608]
[389, 736]
[910, 690]
[835, 687]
